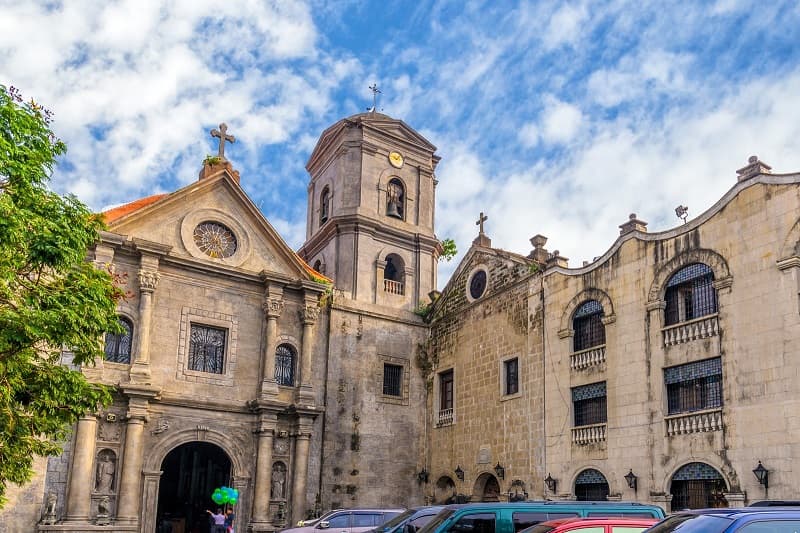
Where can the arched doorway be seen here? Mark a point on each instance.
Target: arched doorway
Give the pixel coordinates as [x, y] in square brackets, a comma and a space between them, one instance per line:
[591, 486]
[444, 491]
[191, 472]
[696, 486]
[486, 489]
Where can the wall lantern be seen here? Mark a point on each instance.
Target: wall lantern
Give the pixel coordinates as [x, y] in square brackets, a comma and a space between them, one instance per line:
[550, 482]
[422, 476]
[500, 471]
[631, 478]
[459, 473]
[762, 475]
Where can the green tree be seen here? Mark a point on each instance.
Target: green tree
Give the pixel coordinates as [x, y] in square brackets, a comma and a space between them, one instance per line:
[50, 296]
[449, 249]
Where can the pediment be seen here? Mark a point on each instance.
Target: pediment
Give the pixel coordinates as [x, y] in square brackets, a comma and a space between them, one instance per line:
[208, 208]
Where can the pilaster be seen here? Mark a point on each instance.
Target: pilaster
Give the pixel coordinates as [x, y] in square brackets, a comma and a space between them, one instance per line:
[302, 441]
[148, 281]
[80, 480]
[309, 314]
[261, 520]
[273, 307]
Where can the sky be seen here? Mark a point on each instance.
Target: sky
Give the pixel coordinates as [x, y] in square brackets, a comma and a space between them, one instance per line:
[556, 118]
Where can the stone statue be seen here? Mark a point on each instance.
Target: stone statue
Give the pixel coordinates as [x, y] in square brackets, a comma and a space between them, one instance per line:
[278, 480]
[103, 511]
[106, 468]
[50, 509]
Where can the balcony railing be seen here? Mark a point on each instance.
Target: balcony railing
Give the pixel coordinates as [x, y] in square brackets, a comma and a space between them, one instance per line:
[393, 287]
[589, 434]
[699, 328]
[697, 422]
[444, 417]
[589, 357]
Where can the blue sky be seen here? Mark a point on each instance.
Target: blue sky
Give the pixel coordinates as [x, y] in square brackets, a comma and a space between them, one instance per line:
[558, 118]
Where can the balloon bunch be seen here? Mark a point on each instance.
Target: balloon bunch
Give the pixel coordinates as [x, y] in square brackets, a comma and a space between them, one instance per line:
[225, 495]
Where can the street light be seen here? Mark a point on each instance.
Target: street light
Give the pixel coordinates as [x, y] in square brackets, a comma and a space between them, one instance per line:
[550, 482]
[500, 471]
[459, 473]
[762, 475]
[422, 476]
[631, 478]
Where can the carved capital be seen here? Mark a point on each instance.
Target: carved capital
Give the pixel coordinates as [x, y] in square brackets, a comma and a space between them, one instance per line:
[310, 313]
[273, 307]
[148, 280]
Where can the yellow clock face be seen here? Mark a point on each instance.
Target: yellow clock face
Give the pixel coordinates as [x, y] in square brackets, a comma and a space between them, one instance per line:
[395, 159]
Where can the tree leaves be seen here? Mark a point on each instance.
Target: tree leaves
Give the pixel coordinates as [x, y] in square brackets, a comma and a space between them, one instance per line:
[51, 298]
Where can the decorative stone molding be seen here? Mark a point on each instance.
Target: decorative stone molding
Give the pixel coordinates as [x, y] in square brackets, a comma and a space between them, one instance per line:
[699, 328]
[697, 422]
[707, 257]
[592, 434]
[791, 262]
[148, 280]
[587, 358]
[609, 317]
[310, 313]
[273, 307]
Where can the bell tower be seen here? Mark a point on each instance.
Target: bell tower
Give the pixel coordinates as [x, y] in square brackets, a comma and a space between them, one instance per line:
[370, 222]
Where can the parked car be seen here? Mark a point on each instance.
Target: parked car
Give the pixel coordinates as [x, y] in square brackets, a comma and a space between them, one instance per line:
[409, 521]
[592, 525]
[776, 503]
[348, 521]
[743, 519]
[499, 517]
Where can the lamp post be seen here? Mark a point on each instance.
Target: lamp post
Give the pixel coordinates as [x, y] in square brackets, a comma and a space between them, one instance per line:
[459, 473]
[762, 475]
[551, 483]
[422, 476]
[500, 471]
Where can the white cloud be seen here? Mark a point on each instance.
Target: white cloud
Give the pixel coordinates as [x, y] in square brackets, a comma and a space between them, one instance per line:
[561, 121]
[565, 26]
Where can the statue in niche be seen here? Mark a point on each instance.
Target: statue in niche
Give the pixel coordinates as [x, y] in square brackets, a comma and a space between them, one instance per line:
[278, 481]
[106, 469]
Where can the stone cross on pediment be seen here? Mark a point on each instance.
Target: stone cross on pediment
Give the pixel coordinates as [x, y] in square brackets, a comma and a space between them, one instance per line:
[481, 219]
[222, 135]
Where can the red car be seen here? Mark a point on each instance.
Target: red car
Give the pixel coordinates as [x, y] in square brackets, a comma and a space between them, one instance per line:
[593, 525]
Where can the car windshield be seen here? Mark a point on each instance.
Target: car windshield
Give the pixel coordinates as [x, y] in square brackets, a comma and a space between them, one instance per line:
[438, 519]
[396, 521]
[692, 523]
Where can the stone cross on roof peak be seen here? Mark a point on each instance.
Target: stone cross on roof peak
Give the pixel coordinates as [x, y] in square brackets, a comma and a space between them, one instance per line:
[482, 239]
[481, 219]
[221, 133]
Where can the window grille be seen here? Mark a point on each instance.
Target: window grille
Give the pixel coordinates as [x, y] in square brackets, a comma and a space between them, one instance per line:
[589, 403]
[118, 345]
[392, 380]
[694, 386]
[697, 485]
[446, 390]
[690, 294]
[511, 368]
[588, 326]
[207, 349]
[284, 365]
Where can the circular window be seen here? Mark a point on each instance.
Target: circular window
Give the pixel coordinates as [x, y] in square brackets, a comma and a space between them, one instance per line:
[215, 240]
[477, 284]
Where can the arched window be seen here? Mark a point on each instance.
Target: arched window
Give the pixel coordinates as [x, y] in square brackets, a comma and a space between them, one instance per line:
[395, 198]
[285, 358]
[324, 205]
[393, 274]
[588, 326]
[118, 345]
[697, 486]
[690, 294]
[591, 485]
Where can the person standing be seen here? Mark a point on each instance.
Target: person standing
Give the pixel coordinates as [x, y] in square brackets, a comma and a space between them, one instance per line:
[219, 521]
[229, 516]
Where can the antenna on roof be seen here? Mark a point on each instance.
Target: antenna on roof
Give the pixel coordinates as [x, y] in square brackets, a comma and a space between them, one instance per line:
[375, 92]
[682, 212]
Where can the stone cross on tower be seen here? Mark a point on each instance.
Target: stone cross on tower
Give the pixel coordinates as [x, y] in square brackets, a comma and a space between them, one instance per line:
[481, 219]
[223, 136]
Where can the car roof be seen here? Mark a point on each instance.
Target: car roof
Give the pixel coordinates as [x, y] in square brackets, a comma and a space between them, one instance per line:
[547, 503]
[601, 521]
[747, 513]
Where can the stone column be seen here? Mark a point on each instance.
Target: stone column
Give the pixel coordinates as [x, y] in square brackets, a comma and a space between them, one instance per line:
[261, 490]
[302, 441]
[140, 369]
[79, 492]
[309, 315]
[273, 306]
[130, 485]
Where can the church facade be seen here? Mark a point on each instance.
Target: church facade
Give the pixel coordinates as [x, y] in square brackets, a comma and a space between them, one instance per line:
[337, 376]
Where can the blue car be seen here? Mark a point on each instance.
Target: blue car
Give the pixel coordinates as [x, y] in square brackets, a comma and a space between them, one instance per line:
[743, 520]
[409, 521]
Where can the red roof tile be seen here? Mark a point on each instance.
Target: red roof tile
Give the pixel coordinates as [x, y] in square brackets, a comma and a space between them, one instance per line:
[118, 212]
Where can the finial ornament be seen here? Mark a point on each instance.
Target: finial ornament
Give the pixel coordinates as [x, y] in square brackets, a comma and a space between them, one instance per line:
[375, 92]
[222, 135]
